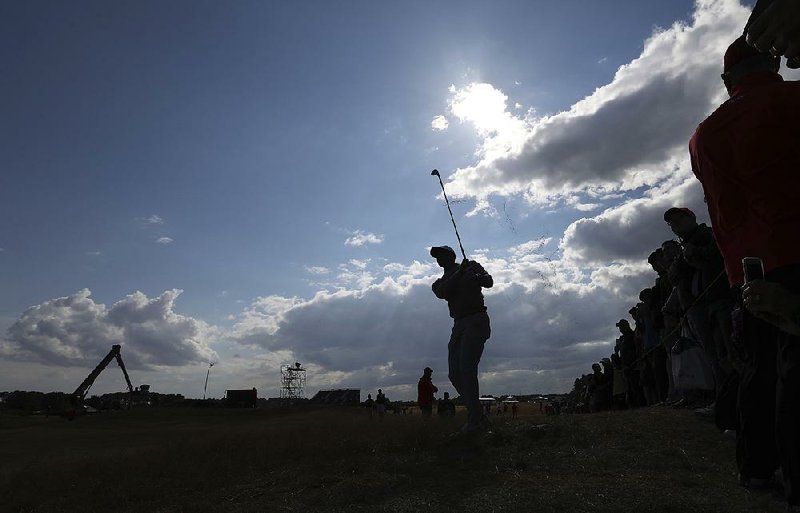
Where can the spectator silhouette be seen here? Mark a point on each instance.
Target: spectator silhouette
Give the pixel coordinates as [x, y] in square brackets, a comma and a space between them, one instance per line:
[745, 156]
[380, 403]
[425, 391]
[446, 407]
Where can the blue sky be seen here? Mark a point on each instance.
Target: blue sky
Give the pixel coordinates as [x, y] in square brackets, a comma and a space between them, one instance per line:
[231, 150]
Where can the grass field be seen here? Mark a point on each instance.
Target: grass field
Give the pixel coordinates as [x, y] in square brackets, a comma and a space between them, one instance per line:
[330, 460]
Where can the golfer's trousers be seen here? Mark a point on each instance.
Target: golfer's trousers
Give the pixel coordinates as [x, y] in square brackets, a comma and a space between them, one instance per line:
[463, 355]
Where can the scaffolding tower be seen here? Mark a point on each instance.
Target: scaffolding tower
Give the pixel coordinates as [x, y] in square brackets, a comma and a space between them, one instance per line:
[293, 381]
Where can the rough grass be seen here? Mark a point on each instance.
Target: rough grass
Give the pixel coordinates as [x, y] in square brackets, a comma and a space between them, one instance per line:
[331, 460]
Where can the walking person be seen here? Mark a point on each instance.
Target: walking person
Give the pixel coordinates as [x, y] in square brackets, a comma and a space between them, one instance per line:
[461, 287]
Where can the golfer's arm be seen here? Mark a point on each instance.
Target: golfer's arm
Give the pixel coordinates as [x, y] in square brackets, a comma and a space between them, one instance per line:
[441, 287]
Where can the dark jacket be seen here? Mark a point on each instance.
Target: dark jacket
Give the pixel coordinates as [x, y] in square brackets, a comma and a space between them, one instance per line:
[461, 287]
[425, 391]
[745, 155]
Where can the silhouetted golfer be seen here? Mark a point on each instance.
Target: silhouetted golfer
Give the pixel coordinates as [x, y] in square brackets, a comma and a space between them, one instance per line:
[461, 287]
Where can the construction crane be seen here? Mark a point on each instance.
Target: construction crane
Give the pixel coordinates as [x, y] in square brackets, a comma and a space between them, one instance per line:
[80, 393]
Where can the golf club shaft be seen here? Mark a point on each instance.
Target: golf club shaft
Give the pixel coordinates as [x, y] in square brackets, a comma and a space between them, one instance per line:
[451, 217]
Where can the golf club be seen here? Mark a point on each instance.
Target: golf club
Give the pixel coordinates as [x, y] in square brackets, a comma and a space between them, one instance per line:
[435, 172]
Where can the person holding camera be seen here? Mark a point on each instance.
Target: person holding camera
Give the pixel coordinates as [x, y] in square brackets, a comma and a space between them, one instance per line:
[461, 287]
[745, 156]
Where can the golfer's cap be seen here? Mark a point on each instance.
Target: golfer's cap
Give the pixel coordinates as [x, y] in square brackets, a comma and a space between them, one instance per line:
[441, 250]
[622, 322]
[678, 210]
[737, 52]
[427, 369]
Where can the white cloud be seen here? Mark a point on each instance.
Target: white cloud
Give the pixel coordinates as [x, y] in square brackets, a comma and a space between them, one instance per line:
[317, 269]
[75, 330]
[382, 332]
[439, 123]
[93, 253]
[164, 240]
[629, 133]
[359, 238]
[634, 228]
[153, 219]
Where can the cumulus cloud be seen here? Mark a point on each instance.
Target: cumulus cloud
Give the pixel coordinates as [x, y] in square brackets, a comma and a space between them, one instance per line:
[624, 135]
[75, 330]
[548, 318]
[164, 240]
[631, 230]
[439, 123]
[359, 238]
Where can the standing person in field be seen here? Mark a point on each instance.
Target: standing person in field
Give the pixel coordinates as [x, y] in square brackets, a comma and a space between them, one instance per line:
[380, 403]
[425, 391]
[446, 406]
[461, 287]
[745, 155]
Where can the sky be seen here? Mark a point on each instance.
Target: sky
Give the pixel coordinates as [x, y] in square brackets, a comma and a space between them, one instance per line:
[248, 183]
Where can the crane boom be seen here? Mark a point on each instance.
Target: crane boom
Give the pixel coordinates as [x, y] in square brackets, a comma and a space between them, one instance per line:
[83, 389]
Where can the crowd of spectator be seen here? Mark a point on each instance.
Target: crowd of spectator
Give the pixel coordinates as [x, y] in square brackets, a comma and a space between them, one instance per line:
[677, 348]
[720, 327]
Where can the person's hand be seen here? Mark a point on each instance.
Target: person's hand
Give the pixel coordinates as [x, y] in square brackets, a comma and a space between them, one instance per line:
[773, 304]
[777, 31]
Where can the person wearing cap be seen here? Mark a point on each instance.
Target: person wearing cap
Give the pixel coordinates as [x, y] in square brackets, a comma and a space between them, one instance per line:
[425, 391]
[628, 355]
[460, 286]
[709, 314]
[745, 156]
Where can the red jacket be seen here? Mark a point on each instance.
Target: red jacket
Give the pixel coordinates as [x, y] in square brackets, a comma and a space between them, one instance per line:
[747, 156]
[425, 391]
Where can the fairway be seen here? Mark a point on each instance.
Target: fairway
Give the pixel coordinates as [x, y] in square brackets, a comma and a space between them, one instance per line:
[327, 460]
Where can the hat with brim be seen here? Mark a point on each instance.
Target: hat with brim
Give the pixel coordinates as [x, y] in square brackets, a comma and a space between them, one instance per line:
[438, 251]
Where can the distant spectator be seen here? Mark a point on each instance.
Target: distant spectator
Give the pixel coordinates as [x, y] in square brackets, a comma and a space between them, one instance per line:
[619, 387]
[598, 388]
[446, 407]
[514, 410]
[628, 355]
[425, 391]
[369, 404]
[380, 403]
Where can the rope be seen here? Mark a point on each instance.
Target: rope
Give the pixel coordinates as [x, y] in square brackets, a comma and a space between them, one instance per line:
[682, 317]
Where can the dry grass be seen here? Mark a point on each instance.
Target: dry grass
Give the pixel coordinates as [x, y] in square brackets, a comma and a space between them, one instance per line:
[330, 460]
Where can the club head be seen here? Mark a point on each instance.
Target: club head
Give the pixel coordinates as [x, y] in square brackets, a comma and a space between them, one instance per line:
[435, 172]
